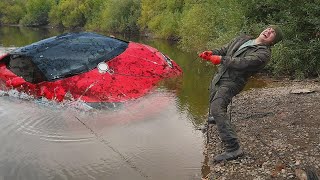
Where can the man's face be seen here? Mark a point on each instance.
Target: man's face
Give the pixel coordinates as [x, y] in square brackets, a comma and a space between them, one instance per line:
[267, 36]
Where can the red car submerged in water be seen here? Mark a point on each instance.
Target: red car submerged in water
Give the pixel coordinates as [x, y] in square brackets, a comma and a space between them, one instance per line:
[85, 66]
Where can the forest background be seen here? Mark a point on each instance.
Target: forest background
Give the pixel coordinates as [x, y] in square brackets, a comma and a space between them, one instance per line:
[195, 24]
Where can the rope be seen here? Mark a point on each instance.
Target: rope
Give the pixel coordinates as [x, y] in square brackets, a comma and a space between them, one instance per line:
[106, 143]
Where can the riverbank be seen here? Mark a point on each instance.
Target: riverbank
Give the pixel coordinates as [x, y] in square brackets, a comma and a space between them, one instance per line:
[278, 128]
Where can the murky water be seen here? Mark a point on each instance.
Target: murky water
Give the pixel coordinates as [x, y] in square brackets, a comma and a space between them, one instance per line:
[153, 137]
[150, 138]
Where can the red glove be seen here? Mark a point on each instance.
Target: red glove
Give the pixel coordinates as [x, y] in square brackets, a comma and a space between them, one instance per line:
[205, 55]
[215, 59]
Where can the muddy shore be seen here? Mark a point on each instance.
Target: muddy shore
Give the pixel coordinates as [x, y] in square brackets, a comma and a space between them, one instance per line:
[279, 130]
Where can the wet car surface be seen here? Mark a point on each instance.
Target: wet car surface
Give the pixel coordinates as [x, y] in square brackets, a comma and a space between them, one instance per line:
[85, 66]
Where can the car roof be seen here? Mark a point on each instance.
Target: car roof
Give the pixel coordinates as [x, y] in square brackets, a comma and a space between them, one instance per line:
[71, 53]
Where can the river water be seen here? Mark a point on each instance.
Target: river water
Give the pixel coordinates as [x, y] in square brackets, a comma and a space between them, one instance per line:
[153, 137]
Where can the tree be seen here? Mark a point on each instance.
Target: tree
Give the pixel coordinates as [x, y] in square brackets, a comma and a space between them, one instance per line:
[92, 10]
[37, 12]
[11, 12]
[68, 13]
[161, 17]
[208, 24]
[120, 16]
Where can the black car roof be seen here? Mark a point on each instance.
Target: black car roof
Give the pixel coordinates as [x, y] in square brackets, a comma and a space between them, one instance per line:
[70, 54]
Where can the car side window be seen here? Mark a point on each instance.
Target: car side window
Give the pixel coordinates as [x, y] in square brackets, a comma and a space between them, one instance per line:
[24, 67]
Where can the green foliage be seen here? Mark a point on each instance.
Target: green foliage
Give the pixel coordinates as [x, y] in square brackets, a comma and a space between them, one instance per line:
[92, 12]
[37, 12]
[209, 24]
[120, 16]
[11, 12]
[297, 58]
[55, 15]
[69, 13]
[161, 17]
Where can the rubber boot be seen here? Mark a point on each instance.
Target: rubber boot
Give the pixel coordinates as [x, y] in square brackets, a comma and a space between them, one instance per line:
[311, 174]
[228, 155]
[211, 120]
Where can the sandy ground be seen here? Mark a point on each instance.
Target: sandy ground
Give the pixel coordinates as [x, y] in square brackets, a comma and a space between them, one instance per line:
[279, 130]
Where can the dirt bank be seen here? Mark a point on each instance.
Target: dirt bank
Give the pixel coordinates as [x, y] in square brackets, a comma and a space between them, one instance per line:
[279, 130]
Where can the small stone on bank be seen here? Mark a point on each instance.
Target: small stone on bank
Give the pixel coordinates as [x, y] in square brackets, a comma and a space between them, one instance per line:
[301, 91]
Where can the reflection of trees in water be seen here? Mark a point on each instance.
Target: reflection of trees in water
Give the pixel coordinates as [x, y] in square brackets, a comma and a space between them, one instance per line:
[255, 82]
[192, 87]
[21, 36]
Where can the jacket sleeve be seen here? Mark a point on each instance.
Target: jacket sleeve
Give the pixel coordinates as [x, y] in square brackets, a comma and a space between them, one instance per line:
[251, 62]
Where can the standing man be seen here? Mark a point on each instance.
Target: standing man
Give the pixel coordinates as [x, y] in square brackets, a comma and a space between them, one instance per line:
[240, 59]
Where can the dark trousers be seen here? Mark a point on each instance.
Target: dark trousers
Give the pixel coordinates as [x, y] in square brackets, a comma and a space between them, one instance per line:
[220, 97]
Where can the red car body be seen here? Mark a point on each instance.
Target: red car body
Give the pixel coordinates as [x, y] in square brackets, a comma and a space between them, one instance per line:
[87, 67]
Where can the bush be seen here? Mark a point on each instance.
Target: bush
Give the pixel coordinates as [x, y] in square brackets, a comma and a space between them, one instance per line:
[92, 12]
[210, 24]
[120, 16]
[11, 12]
[296, 58]
[69, 13]
[161, 17]
[37, 12]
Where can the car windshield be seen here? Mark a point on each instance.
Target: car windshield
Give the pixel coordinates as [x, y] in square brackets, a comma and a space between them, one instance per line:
[68, 54]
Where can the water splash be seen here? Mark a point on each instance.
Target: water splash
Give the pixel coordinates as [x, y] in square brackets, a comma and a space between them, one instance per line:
[16, 94]
[77, 105]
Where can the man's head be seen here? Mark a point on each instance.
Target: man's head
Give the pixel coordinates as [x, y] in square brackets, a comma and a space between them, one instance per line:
[271, 35]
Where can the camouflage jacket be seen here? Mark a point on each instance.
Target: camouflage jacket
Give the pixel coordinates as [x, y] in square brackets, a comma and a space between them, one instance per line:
[237, 66]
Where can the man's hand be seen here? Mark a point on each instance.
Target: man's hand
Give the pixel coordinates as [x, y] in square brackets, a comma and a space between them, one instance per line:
[208, 56]
[215, 59]
[205, 55]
